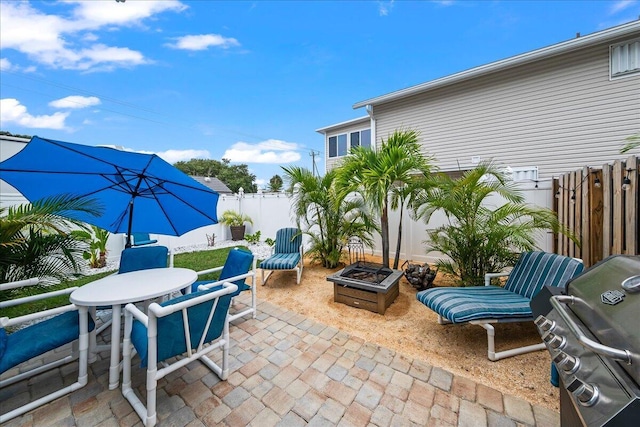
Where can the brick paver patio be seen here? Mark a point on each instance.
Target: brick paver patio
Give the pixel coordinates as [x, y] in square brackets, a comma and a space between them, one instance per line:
[287, 370]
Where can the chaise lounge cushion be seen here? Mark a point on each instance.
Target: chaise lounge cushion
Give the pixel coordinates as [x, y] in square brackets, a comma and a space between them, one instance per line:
[459, 305]
[281, 261]
[53, 333]
[532, 272]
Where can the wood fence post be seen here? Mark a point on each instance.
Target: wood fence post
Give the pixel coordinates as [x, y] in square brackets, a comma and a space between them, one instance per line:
[630, 213]
[596, 238]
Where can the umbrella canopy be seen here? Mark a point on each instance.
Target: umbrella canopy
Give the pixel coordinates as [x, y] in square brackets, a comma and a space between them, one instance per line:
[140, 192]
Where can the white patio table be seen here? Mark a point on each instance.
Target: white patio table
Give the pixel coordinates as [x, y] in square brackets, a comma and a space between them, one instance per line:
[118, 289]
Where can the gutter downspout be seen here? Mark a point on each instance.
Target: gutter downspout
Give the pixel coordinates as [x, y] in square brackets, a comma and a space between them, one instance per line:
[369, 109]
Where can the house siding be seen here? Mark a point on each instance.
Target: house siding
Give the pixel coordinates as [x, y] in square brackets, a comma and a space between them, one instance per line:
[559, 114]
[332, 162]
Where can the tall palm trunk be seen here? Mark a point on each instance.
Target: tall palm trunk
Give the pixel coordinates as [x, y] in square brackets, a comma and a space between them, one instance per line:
[384, 234]
[396, 259]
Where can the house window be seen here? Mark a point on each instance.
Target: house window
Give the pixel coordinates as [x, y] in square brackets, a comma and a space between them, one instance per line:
[339, 145]
[625, 58]
[333, 146]
[342, 144]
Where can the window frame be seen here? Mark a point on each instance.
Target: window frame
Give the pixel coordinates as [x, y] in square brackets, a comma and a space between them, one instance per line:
[626, 73]
[348, 136]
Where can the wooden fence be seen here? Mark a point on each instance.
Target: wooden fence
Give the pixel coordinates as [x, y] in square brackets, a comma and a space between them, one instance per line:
[601, 207]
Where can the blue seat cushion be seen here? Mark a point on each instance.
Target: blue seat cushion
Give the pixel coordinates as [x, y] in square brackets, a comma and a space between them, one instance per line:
[134, 259]
[534, 270]
[238, 262]
[288, 240]
[171, 336]
[40, 338]
[281, 261]
[459, 305]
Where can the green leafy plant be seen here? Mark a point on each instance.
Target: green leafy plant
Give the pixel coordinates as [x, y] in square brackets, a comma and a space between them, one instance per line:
[386, 177]
[252, 238]
[36, 239]
[234, 219]
[97, 240]
[329, 217]
[478, 238]
[269, 241]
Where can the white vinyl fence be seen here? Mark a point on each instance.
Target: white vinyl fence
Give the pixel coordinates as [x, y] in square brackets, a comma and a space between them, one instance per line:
[272, 211]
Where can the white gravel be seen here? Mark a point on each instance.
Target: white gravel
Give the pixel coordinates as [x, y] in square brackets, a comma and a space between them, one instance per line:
[260, 251]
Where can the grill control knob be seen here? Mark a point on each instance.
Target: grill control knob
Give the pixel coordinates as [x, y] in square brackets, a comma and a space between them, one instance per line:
[567, 363]
[587, 394]
[554, 341]
[545, 324]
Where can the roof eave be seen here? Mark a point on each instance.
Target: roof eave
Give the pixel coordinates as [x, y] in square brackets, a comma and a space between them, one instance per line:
[341, 124]
[535, 55]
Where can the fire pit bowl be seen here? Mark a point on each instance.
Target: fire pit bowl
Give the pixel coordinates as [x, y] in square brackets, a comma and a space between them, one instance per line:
[366, 285]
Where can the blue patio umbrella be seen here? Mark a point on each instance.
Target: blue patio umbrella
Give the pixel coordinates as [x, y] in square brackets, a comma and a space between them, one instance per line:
[139, 192]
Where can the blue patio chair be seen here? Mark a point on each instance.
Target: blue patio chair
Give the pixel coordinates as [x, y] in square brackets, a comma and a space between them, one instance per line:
[288, 254]
[195, 324]
[239, 266]
[484, 305]
[134, 259]
[61, 326]
[141, 239]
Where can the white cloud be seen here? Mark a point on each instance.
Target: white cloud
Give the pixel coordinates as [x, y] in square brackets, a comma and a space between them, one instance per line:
[11, 111]
[270, 151]
[620, 6]
[203, 42]
[172, 156]
[70, 43]
[384, 7]
[5, 64]
[75, 102]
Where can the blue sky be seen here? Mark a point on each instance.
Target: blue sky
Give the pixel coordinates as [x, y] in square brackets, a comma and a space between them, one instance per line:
[249, 81]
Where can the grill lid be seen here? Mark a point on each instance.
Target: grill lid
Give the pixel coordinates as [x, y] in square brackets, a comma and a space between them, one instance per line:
[611, 311]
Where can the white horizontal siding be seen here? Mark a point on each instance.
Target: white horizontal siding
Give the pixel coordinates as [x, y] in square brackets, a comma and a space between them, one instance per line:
[559, 114]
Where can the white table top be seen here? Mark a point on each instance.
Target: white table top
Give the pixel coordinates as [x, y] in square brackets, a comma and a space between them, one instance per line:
[134, 286]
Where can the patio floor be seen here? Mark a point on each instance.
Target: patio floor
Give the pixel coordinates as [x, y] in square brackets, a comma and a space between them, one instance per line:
[286, 370]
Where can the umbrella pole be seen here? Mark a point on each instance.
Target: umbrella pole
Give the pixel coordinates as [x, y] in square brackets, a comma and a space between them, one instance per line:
[128, 244]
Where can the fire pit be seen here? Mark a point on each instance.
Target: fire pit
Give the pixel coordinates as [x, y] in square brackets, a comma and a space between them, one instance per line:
[366, 285]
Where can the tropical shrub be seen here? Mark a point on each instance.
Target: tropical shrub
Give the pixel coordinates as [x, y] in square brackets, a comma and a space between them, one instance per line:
[386, 178]
[234, 219]
[97, 239]
[326, 215]
[479, 239]
[36, 239]
[252, 238]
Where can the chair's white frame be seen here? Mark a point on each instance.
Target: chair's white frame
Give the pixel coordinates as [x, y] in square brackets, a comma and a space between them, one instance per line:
[80, 353]
[298, 269]
[252, 309]
[148, 413]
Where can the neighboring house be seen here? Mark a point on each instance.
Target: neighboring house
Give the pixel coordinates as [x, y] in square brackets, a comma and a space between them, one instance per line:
[544, 112]
[213, 183]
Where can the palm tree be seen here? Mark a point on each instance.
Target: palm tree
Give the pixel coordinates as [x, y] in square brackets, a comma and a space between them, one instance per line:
[330, 218]
[36, 240]
[377, 174]
[633, 142]
[477, 238]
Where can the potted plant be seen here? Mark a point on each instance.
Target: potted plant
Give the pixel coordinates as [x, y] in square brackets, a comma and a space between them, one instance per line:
[236, 223]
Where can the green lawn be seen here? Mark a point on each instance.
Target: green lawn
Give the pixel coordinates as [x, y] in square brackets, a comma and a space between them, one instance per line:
[197, 261]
